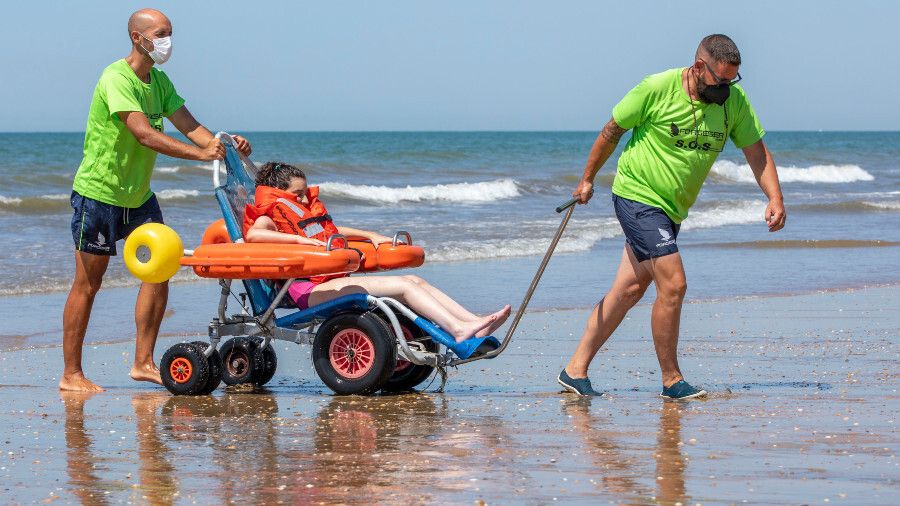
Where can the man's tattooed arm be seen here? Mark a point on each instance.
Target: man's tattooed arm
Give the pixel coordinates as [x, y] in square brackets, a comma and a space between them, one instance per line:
[603, 147]
[612, 132]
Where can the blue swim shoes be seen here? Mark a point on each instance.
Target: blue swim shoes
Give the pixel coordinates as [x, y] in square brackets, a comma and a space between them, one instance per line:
[681, 391]
[580, 386]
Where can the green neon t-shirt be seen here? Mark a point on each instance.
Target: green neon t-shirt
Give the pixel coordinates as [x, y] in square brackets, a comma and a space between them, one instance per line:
[116, 168]
[675, 141]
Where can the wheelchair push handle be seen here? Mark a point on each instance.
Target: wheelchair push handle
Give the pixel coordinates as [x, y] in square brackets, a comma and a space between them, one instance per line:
[569, 203]
[534, 283]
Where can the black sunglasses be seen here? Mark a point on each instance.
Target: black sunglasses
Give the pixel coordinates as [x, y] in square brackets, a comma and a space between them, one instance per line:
[718, 79]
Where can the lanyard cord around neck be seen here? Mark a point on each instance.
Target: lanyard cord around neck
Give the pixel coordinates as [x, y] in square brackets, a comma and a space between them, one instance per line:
[694, 114]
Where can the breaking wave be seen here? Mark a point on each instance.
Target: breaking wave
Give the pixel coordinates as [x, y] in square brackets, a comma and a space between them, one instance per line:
[728, 171]
[454, 192]
[35, 204]
[176, 194]
[580, 236]
[725, 213]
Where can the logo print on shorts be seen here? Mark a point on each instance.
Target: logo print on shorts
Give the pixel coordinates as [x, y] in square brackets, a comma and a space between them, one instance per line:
[667, 238]
[101, 240]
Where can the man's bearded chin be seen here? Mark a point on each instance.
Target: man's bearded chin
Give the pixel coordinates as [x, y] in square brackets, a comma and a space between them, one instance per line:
[701, 87]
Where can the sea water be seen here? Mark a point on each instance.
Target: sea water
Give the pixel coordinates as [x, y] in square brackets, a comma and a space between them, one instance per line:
[482, 204]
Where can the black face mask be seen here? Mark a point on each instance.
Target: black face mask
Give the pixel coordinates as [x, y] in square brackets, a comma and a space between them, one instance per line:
[713, 93]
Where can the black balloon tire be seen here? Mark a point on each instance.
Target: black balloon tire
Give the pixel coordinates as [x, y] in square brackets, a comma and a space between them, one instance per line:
[215, 368]
[245, 347]
[413, 376]
[384, 357]
[269, 361]
[199, 369]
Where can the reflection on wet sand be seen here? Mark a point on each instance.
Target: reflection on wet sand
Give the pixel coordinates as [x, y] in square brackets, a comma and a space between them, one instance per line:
[616, 470]
[156, 474]
[156, 483]
[229, 442]
[397, 449]
[670, 460]
[385, 448]
[81, 465]
[243, 447]
[621, 471]
[364, 444]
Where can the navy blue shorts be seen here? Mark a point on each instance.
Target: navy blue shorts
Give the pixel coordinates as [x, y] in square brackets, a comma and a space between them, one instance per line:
[648, 230]
[96, 226]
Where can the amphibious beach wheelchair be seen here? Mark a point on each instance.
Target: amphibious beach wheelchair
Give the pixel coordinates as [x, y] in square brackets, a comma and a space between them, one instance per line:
[361, 344]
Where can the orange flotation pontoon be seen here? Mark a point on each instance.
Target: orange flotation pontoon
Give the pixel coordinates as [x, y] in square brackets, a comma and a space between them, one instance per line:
[154, 252]
[397, 255]
[269, 261]
[385, 257]
[216, 233]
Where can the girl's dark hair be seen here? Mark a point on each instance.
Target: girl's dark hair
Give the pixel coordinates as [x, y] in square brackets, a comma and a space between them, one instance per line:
[278, 175]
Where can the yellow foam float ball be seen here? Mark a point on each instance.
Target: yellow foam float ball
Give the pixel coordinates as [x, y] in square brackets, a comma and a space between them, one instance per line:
[153, 252]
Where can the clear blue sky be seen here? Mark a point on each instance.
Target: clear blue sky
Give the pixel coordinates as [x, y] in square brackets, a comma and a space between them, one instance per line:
[460, 65]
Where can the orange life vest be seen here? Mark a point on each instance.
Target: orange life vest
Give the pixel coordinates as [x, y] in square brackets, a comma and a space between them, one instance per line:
[292, 216]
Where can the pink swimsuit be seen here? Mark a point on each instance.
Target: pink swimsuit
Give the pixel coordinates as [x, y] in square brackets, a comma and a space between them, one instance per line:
[299, 292]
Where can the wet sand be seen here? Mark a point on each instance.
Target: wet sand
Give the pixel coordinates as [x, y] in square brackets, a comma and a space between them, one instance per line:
[803, 410]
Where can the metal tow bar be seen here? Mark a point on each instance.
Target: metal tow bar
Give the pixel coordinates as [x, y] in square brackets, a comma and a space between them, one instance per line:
[570, 205]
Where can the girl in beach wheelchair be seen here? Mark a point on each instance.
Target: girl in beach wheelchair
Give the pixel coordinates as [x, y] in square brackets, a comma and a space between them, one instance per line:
[287, 252]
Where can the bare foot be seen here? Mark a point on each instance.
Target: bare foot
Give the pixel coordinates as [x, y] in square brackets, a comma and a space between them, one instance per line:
[501, 316]
[78, 383]
[147, 372]
[467, 330]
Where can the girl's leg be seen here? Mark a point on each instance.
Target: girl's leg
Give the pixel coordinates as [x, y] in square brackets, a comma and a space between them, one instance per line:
[449, 304]
[399, 287]
[460, 312]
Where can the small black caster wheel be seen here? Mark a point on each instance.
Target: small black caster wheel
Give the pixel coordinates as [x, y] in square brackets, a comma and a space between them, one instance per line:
[240, 362]
[215, 368]
[269, 362]
[184, 369]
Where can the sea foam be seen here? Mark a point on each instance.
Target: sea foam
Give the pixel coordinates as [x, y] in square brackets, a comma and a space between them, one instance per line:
[584, 235]
[176, 194]
[580, 236]
[741, 173]
[454, 192]
[726, 213]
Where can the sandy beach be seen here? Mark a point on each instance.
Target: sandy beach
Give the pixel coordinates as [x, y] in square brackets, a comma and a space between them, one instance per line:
[802, 410]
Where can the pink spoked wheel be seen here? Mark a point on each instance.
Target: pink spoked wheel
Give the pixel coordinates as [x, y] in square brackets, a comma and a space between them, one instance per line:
[407, 375]
[354, 353]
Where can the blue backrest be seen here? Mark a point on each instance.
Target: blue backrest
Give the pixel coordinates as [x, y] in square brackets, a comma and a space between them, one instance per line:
[238, 191]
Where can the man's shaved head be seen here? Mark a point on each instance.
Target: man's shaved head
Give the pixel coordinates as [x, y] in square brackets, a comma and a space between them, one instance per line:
[718, 48]
[145, 19]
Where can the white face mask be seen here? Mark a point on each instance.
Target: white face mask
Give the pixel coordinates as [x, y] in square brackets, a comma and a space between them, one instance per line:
[162, 49]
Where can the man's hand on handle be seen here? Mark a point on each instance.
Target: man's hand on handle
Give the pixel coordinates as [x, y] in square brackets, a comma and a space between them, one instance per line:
[242, 145]
[584, 192]
[214, 150]
[775, 215]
